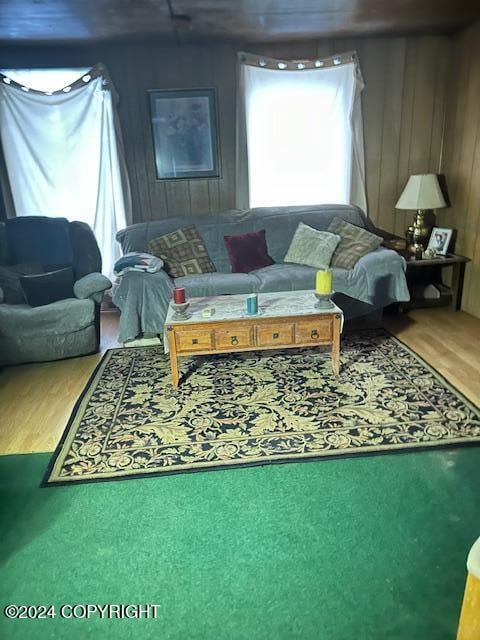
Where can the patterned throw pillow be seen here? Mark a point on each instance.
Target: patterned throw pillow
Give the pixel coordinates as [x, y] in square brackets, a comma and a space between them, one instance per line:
[354, 244]
[311, 247]
[183, 252]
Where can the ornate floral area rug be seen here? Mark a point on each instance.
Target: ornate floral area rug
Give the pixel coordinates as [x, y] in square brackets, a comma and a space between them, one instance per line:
[257, 408]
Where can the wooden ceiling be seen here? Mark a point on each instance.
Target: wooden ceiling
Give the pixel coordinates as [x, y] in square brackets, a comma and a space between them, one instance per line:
[28, 21]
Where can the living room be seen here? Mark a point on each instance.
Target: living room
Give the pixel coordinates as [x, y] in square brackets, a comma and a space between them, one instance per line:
[333, 366]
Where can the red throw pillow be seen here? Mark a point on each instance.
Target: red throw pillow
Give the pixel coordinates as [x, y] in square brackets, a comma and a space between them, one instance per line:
[247, 251]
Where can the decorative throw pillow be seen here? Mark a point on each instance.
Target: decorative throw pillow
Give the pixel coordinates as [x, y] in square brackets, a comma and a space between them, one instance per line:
[48, 287]
[10, 277]
[183, 252]
[354, 244]
[311, 247]
[247, 251]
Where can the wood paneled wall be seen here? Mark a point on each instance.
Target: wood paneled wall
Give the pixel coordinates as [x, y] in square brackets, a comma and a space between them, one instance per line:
[462, 159]
[403, 107]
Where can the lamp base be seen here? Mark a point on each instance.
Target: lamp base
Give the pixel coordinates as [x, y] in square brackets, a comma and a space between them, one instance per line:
[420, 232]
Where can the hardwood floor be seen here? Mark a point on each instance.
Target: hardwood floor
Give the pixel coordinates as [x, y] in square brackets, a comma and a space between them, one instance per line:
[36, 400]
[448, 340]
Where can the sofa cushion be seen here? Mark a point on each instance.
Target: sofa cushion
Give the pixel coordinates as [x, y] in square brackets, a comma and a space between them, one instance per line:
[354, 244]
[10, 281]
[45, 288]
[247, 251]
[216, 284]
[183, 252]
[312, 247]
[64, 316]
[285, 277]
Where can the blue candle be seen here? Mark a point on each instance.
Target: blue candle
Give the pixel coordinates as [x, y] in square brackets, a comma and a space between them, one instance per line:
[252, 304]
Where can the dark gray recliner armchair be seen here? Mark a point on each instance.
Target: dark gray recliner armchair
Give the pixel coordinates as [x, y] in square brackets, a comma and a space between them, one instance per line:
[62, 329]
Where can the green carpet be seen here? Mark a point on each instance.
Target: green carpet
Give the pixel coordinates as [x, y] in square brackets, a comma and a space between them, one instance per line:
[362, 548]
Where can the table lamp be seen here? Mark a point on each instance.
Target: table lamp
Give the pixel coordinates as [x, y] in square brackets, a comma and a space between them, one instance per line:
[421, 193]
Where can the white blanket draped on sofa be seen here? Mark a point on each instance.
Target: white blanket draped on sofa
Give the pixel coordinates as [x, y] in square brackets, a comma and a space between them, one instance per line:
[63, 156]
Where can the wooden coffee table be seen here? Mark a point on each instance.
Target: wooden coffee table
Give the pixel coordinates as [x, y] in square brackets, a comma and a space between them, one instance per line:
[286, 320]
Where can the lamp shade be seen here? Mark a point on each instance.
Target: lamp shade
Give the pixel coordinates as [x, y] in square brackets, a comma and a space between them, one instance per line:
[422, 192]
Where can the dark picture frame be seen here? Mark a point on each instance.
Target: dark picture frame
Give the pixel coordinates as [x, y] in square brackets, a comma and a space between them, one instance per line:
[440, 240]
[185, 133]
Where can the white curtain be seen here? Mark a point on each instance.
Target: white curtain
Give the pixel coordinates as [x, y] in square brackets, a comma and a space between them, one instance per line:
[62, 156]
[299, 132]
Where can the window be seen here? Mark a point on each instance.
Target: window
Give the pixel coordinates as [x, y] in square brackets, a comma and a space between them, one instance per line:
[61, 150]
[299, 134]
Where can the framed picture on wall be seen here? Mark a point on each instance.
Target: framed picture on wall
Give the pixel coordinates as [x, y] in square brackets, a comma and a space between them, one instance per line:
[440, 240]
[184, 129]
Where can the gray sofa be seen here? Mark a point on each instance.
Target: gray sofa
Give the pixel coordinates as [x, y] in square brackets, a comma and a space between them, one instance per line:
[378, 279]
[62, 329]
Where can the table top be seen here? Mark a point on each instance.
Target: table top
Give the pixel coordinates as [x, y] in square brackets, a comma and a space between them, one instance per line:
[450, 258]
[270, 305]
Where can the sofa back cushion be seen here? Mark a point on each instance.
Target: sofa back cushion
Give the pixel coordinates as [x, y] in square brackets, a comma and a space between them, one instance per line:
[280, 223]
[52, 242]
[39, 239]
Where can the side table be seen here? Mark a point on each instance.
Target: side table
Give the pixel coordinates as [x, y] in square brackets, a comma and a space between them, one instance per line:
[429, 271]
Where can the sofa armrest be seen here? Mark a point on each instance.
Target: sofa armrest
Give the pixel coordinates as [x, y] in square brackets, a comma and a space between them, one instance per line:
[143, 300]
[93, 285]
[383, 270]
[381, 258]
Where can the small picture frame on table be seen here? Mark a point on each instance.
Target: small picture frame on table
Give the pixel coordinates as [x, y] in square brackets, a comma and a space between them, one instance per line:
[440, 240]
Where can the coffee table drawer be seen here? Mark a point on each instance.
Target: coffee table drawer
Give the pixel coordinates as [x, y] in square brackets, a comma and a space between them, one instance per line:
[320, 330]
[273, 334]
[194, 340]
[235, 337]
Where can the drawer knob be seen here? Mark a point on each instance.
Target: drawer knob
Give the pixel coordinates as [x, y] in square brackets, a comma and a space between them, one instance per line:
[314, 333]
[234, 340]
[275, 335]
[194, 341]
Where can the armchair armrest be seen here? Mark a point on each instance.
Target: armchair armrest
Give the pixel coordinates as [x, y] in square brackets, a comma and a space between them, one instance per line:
[92, 286]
